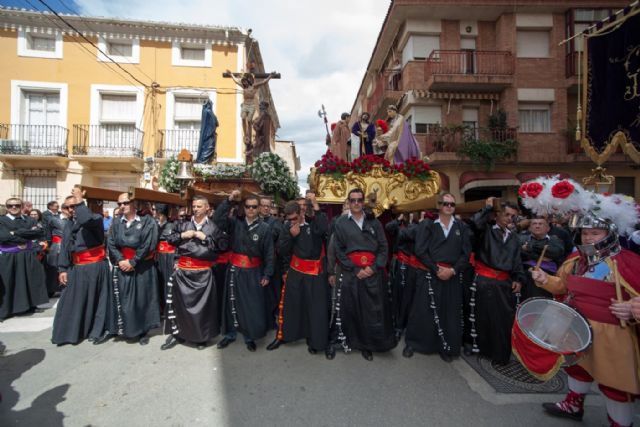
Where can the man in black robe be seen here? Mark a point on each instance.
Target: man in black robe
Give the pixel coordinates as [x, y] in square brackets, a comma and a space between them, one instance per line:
[363, 314]
[533, 243]
[498, 281]
[434, 322]
[304, 310]
[84, 274]
[132, 241]
[54, 226]
[21, 272]
[165, 251]
[191, 293]
[246, 301]
[278, 267]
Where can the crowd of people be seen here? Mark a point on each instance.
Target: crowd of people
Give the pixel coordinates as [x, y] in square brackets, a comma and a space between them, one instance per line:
[443, 283]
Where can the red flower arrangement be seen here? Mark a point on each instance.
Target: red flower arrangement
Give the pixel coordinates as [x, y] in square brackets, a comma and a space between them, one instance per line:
[414, 168]
[329, 164]
[531, 189]
[364, 164]
[562, 189]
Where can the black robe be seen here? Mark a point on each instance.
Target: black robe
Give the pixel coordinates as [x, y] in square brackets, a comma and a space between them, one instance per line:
[246, 303]
[363, 319]
[435, 319]
[22, 278]
[54, 226]
[82, 309]
[278, 265]
[192, 296]
[165, 262]
[531, 249]
[135, 294]
[304, 304]
[495, 302]
[402, 276]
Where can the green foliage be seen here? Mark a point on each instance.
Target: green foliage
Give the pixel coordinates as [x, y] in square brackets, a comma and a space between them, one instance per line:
[498, 143]
[168, 174]
[274, 176]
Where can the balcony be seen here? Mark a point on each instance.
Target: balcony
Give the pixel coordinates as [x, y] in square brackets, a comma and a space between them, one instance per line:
[469, 70]
[387, 90]
[44, 143]
[108, 144]
[174, 140]
[571, 64]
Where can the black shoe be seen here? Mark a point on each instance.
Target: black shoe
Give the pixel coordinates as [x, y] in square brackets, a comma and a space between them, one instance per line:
[169, 343]
[225, 342]
[367, 355]
[251, 346]
[144, 339]
[274, 344]
[312, 350]
[446, 357]
[330, 353]
[553, 409]
[398, 335]
[468, 351]
[101, 339]
[408, 351]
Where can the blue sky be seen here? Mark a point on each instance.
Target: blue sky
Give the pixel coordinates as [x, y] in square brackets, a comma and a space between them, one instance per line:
[321, 49]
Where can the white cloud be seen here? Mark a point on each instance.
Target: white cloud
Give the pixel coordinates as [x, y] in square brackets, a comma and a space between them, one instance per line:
[321, 50]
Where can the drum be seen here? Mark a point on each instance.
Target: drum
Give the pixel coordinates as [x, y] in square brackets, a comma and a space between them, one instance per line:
[548, 334]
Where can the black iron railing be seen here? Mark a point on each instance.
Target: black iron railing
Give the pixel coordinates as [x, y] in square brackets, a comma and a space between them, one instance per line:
[112, 140]
[33, 140]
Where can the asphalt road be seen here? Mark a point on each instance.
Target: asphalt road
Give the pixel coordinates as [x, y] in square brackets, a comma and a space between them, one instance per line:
[125, 384]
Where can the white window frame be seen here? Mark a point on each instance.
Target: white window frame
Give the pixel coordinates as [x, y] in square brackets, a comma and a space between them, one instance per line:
[24, 50]
[96, 96]
[176, 55]
[18, 89]
[531, 106]
[190, 93]
[135, 50]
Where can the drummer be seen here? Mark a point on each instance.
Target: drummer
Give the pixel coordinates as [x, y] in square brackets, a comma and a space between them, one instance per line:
[587, 279]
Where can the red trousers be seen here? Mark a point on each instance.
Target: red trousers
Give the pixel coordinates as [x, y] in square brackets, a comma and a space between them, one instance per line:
[578, 373]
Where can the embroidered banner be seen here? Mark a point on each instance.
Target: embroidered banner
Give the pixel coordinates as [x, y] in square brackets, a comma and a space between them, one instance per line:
[612, 95]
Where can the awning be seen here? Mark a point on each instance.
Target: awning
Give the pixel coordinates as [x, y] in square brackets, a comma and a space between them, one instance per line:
[528, 176]
[456, 95]
[473, 179]
[444, 181]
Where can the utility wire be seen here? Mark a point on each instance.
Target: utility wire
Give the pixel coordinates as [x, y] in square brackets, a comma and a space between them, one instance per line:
[92, 43]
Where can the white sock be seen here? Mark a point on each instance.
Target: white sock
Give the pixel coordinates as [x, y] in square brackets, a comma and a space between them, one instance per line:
[578, 386]
[620, 412]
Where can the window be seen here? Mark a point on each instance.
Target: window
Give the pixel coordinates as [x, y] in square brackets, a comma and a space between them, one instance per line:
[470, 121]
[120, 50]
[39, 190]
[534, 118]
[191, 54]
[40, 44]
[419, 48]
[626, 185]
[423, 117]
[117, 131]
[533, 44]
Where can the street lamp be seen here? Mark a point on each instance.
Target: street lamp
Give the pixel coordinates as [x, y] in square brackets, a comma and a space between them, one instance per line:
[599, 181]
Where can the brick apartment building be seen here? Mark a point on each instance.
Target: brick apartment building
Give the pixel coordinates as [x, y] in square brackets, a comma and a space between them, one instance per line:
[450, 65]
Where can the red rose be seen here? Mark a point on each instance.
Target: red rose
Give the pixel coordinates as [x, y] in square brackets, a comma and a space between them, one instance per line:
[322, 169]
[562, 190]
[522, 191]
[534, 189]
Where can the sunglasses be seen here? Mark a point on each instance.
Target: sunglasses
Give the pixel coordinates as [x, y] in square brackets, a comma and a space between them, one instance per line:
[9, 206]
[448, 204]
[251, 206]
[127, 203]
[356, 200]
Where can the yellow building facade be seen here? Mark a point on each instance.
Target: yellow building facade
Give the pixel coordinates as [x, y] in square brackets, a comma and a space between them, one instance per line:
[104, 102]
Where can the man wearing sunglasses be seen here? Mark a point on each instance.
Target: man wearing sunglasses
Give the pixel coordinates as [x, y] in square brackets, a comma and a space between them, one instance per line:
[132, 242]
[305, 294]
[192, 298]
[363, 313]
[246, 300]
[20, 270]
[442, 248]
[84, 275]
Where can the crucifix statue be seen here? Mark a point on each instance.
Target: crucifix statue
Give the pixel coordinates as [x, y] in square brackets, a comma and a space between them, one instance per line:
[250, 89]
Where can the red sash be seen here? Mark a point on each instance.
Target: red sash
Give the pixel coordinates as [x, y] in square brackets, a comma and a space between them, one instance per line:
[362, 259]
[306, 266]
[129, 253]
[188, 263]
[56, 239]
[592, 298]
[89, 256]
[244, 261]
[223, 258]
[490, 273]
[165, 248]
[412, 261]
